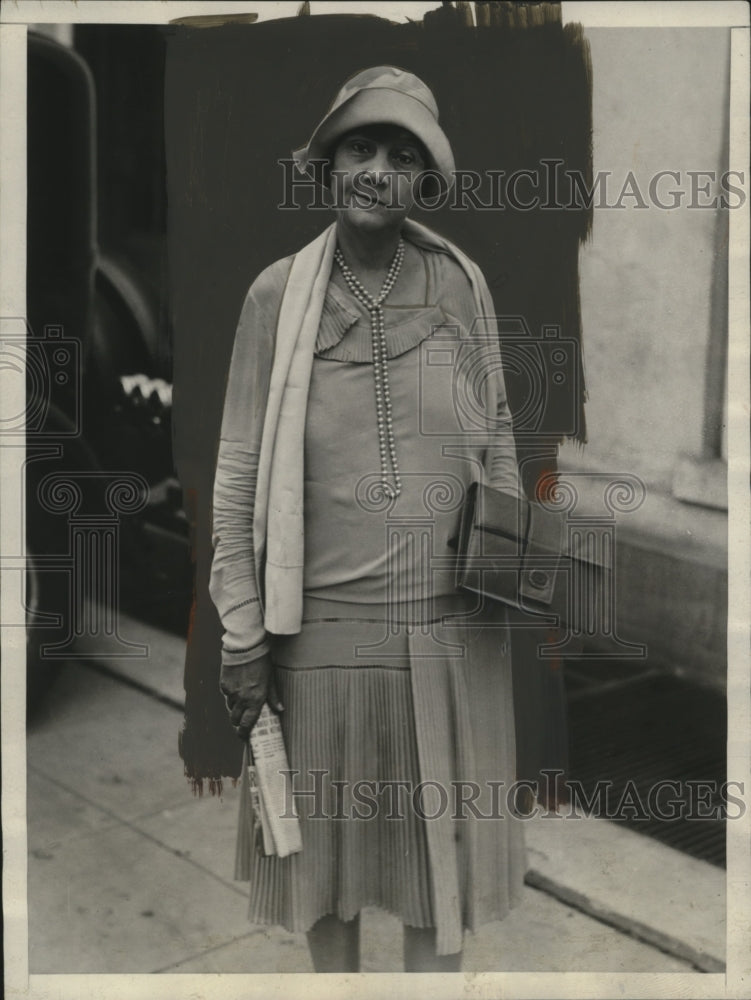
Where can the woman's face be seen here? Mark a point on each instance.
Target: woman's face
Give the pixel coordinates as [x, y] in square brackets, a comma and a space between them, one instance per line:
[374, 172]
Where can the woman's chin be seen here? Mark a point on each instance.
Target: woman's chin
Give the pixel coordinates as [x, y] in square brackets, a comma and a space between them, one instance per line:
[373, 220]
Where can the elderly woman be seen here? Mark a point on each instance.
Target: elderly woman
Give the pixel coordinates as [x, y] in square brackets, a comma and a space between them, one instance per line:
[365, 394]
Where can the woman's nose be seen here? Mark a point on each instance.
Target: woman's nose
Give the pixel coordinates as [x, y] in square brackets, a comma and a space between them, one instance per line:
[380, 167]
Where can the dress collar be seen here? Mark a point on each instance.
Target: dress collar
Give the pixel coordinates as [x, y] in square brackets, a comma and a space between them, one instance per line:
[344, 331]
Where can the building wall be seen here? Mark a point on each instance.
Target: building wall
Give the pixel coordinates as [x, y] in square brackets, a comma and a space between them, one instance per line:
[659, 103]
[660, 99]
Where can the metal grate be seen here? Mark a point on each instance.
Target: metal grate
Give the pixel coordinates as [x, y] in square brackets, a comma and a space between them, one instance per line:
[633, 728]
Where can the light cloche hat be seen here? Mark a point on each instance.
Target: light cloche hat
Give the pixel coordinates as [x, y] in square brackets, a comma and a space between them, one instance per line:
[382, 95]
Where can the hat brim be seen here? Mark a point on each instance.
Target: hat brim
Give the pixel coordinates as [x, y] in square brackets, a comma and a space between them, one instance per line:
[381, 106]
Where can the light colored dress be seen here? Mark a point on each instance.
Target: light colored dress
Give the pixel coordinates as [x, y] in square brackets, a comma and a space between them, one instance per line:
[378, 684]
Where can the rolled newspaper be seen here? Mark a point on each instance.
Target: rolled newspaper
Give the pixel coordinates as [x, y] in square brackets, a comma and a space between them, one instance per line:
[281, 827]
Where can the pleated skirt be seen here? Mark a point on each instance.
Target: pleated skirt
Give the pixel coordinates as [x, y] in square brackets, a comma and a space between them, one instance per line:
[379, 750]
[351, 744]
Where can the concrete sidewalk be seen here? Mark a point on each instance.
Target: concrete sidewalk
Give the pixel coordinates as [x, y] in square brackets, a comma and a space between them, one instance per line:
[128, 872]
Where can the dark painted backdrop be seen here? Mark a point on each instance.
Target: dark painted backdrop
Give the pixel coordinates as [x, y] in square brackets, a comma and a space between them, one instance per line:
[237, 98]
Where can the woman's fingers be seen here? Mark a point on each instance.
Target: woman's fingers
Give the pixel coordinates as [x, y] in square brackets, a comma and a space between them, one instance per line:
[227, 689]
[247, 720]
[237, 711]
[246, 688]
[273, 697]
[246, 708]
[244, 714]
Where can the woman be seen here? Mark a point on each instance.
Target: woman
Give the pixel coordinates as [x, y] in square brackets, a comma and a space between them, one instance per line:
[365, 394]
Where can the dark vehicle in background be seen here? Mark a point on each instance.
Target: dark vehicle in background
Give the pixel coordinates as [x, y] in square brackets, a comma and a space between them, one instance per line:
[99, 390]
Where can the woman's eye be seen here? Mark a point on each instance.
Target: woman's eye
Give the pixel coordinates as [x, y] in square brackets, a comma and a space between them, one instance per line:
[405, 158]
[358, 146]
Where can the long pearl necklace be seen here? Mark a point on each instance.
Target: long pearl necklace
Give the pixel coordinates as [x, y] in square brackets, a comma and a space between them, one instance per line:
[384, 419]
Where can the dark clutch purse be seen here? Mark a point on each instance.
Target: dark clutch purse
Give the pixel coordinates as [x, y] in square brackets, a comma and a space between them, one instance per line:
[516, 551]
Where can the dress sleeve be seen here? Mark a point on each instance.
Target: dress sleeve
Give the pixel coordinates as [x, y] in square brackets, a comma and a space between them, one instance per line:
[233, 582]
[501, 465]
[503, 469]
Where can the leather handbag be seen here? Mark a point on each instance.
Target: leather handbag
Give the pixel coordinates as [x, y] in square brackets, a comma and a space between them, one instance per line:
[516, 551]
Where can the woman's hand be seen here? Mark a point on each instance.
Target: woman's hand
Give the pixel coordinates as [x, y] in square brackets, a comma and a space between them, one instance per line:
[246, 687]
